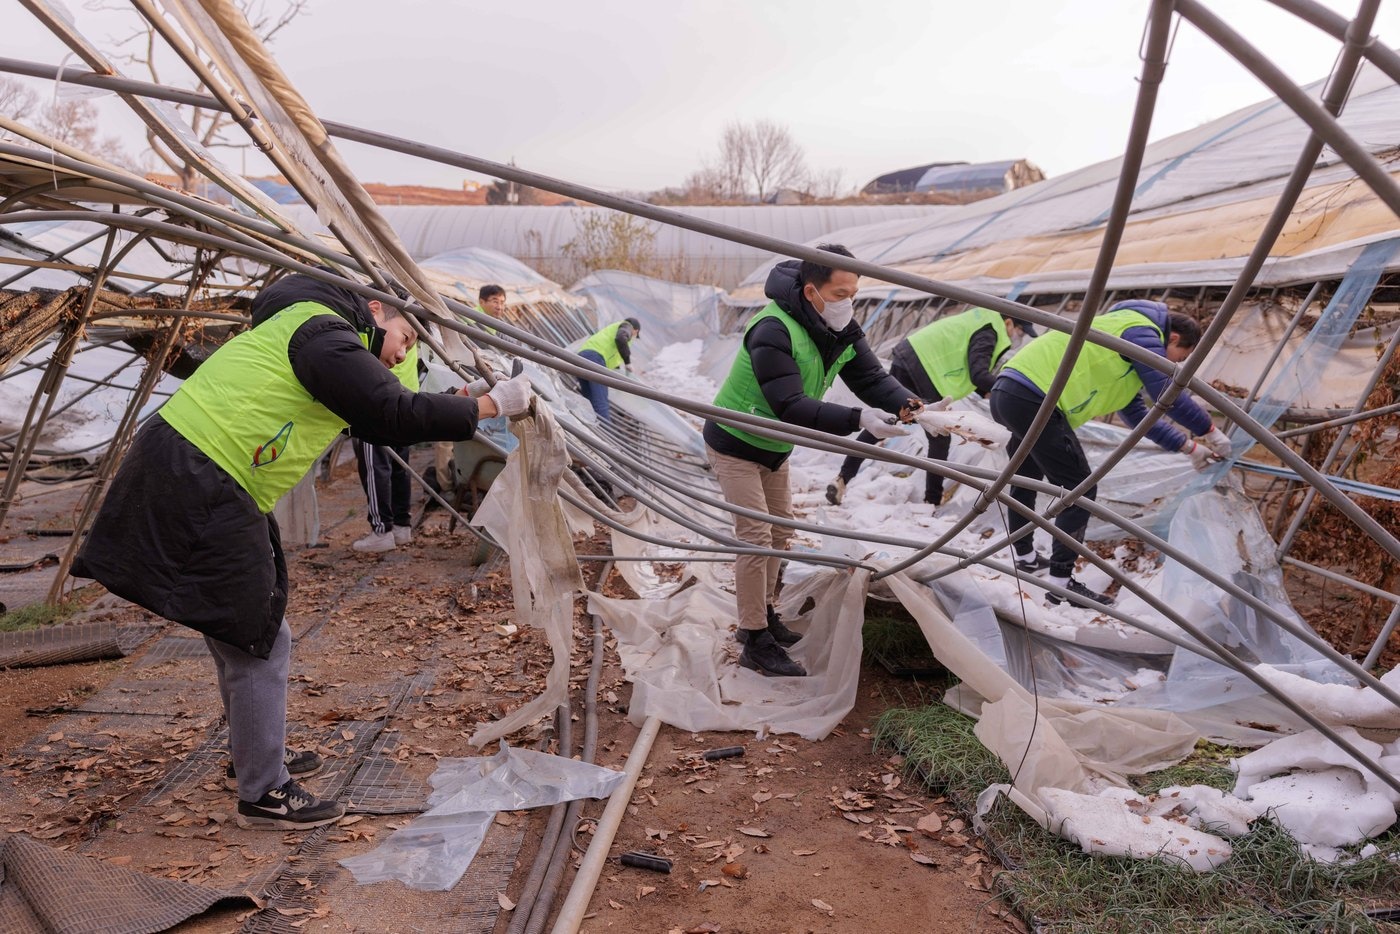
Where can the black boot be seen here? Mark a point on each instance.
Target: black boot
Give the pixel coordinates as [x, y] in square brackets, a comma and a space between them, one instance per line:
[763, 654]
[776, 628]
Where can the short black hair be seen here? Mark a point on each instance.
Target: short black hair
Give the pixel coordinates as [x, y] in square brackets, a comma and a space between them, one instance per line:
[489, 291]
[817, 275]
[636, 325]
[1186, 327]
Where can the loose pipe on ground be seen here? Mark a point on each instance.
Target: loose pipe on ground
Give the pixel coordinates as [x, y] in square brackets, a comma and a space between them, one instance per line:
[581, 892]
[540, 911]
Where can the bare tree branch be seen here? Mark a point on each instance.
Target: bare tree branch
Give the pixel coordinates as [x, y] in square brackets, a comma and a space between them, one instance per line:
[16, 100]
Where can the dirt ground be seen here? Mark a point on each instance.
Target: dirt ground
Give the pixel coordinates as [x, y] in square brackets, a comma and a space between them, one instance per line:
[397, 658]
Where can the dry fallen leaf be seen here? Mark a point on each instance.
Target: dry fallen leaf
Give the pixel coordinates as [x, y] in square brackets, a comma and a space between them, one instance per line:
[923, 860]
[754, 832]
[505, 903]
[615, 904]
[820, 905]
[803, 852]
[930, 824]
[735, 871]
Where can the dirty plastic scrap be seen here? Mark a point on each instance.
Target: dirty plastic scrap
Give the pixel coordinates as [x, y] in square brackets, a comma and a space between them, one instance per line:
[434, 850]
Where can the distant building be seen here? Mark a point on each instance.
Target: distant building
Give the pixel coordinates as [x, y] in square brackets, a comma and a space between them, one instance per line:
[960, 179]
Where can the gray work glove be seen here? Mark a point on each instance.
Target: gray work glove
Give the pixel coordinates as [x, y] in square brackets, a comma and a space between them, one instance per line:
[1219, 443]
[1201, 456]
[477, 388]
[512, 396]
[875, 422]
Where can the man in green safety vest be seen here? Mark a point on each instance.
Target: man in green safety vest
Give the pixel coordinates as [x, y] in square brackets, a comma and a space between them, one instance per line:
[944, 361]
[186, 529]
[792, 351]
[1103, 382]
[611, 347]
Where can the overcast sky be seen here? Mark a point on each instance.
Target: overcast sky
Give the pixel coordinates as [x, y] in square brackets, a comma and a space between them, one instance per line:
[633, 94]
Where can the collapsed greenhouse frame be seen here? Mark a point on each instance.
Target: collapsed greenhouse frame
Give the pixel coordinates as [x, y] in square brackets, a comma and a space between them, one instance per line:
[57, 185]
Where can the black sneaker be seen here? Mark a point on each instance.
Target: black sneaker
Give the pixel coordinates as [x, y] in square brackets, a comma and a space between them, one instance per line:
[302, 764]
[1082, 597]
[764, 655]
[776, 628]
[1033, 564]
[288, 807]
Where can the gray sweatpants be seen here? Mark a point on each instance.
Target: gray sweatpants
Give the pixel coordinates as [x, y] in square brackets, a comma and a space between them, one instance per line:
[254, 692]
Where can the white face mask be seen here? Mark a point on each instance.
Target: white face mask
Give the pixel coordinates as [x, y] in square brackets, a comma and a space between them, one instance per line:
[837, 315]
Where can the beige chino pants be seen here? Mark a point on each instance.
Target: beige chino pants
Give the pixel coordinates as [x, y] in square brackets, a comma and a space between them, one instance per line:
[746, 484]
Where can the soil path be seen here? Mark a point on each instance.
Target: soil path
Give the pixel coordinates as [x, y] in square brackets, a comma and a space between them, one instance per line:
[397, 658]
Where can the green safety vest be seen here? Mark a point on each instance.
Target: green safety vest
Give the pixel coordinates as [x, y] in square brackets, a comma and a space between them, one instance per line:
[1102, 382]
[407, 372]
[604, 343]
[246, 410]
[740, 391]
[942, 349]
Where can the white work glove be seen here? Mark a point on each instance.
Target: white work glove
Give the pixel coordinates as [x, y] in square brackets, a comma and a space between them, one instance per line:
[1219, 443]
[940, 405]
[512, 396]
[1201, 456]
[873, 421]
[477, 388]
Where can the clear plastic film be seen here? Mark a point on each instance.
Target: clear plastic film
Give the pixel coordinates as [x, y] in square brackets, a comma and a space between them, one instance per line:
[436, 848]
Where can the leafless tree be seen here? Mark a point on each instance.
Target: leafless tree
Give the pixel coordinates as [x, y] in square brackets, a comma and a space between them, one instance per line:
[266, 17]
[17, 101]
[74, 122]
[826, 186]
[763, 155]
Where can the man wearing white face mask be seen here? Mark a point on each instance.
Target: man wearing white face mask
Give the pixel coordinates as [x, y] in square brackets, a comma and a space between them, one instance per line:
[793, 350]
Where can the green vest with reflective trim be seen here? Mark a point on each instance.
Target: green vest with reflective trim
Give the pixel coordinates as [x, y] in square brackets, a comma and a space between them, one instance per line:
[246, 410]
[942, 349]
[740, 391]
[1103, 381]
[604, 343]
[407, 372]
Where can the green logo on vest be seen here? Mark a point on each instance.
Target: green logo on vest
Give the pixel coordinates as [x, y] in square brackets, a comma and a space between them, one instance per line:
[272, 449]
[1080, 407]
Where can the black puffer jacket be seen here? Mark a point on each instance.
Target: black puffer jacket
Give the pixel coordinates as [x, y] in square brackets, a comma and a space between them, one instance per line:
[775, 369]
[178, 536]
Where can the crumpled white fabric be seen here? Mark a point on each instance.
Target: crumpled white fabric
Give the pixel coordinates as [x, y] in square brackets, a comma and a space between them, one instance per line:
[680, 655]
[522, 513]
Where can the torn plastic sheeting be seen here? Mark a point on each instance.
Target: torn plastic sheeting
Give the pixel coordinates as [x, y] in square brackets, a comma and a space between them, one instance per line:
[1325, 807]
[1221, 528]
[522, 513]
[680, 655]
[642, 576]
[1077, 745]
[436, 848]
[967, 426]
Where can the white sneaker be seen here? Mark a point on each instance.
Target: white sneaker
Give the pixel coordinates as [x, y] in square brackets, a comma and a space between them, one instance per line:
[403, 534]
[375, 542]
